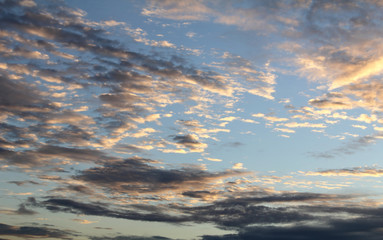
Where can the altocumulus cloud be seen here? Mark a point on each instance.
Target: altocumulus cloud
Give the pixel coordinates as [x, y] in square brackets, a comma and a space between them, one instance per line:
[72, 97]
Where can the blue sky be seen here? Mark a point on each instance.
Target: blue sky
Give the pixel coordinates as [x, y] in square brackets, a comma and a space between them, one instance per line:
[136, 120]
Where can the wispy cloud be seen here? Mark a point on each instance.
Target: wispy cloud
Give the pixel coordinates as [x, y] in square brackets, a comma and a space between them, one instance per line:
[354, 172]
[350, 147]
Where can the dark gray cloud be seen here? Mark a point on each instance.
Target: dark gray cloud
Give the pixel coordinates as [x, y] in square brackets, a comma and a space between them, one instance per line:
[76, 189]
[21, 98]
[129, 80]
[233, 213]
[130, 238]
[188, 141]
[353, 229]
[14, 136]
[124, 101]
[20, 159]
[34, 232]
[45, 156]
[234, 216]
[243, 211]
[365, 226]
[356, 171]
[22, 210]
[103, 209]
[197, 194]
[69, 134]
[103, 228]
[21, 183]
[326, 103]
[139, 175]
[254, 215]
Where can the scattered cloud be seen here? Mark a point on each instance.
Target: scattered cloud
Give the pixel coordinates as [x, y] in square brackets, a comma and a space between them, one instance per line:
[83, 111]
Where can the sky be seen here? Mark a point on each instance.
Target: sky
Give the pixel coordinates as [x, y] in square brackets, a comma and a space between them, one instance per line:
[191, 120]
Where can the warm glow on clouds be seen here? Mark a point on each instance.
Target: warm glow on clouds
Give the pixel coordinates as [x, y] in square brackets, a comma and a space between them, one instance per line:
[192, 119]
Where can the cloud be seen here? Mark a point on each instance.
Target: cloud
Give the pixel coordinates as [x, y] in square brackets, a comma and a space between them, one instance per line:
[132, 88]
[45, 156]
[353, 229]
[365, 70]
[20, 98]
[238, 166]
[84, 221]
[102, 209]
[362, 223]
[214, 159]
[34, 232]
[22, 210]
[234, 144]
[259, 81]
[130, 238]
[137, 175]
[190, 123]
[244, 210]
[74, 97]
[21, 183]
[140, 36]
[332, 46]
[303, 125]
[241, 211]
[76, 189]
[28, 3]
[252, 16]
[350, 147]
[359, 126]
[330, 104]
[270, 119]
[370, 94]
[228, 207]
[190, 141]
[355, 172]
[285, 130]
[176, 10]
[196, 129]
